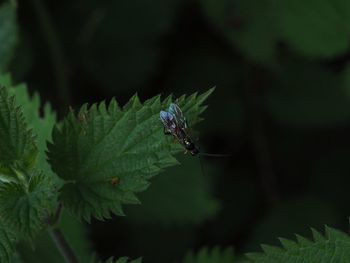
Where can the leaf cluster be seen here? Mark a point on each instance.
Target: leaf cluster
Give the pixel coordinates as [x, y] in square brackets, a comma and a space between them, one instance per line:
[26, 191]
[334, 246]
[107, 153]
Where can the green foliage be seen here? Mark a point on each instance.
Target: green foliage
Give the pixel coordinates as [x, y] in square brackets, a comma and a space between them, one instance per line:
[25, 191]
[333, 247]
[24, 208]
[314, 28]
[317, 28]
[106, 154]
[256, 34]
[301, 97]
[8, 33]
[305, 211]
[282, 110]
[215, 255]
[40, 124]
[7, 244]
[17, 144]
[259, 35]
[249, 25]
[179, 196]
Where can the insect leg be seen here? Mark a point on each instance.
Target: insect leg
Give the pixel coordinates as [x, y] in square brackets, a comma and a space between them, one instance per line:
[166, 131]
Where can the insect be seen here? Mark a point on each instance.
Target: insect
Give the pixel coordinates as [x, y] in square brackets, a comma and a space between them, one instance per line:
[175, 124]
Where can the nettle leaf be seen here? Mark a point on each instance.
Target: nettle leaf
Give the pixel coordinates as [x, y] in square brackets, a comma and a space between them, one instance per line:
[106, 154]
[7, 244]
[26, 193]
[24, 208]
[318, 28]
[250, 25]
[333, 247]
[257, 34]
[8, 33]
[308, 95]
[17, 144]
[215, 255]
[42, 125]
[164, 204]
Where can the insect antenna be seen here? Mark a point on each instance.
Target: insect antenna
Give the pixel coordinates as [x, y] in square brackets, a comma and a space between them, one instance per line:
[215, 154]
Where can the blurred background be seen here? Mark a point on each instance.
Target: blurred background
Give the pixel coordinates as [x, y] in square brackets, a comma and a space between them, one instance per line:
[281, 108]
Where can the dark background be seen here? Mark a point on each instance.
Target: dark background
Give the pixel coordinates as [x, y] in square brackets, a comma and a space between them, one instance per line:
[281, 108]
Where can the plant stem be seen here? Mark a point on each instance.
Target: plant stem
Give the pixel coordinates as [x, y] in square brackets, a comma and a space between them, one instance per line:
[56, 217]
[62, 245]
[58, 237]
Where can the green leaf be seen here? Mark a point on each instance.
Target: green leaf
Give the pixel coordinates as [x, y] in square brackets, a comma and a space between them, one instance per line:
[215, 255]
[163, 202]
[106, 154]
[17, 144]
[333, 247]
[24, 208]
[249, 25]
[8, 33]
[41, 125]
[258, 35]
[317, 28]
[306, 211]
[307, 96]
[7, 244]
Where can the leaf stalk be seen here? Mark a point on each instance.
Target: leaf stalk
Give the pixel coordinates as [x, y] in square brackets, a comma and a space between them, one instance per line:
[62, 245]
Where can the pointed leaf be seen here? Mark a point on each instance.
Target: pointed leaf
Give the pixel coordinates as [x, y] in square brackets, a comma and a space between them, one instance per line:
[24, 207]
[164, 204]
[317, 28]
[41, 124]
[17, 142]
[107, 154]
[317, 235]
[7, 244]
[288, 244]
[334, 248]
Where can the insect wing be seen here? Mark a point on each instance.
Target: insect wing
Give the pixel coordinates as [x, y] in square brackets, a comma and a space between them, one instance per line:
[175, 110]
[169, 121]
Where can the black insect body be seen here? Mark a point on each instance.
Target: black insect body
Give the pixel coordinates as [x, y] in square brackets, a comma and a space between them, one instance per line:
[175, 124]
